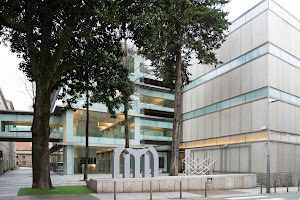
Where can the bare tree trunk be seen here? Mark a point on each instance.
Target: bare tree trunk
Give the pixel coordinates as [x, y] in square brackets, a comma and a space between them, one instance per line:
[125, 105]
[86, 138]
[40, 139]
[177, 117]
[126, 129]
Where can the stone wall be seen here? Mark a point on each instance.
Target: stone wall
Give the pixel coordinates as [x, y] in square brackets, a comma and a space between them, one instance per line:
[281, 179]
[24, 160]
[8, 159]
[171, 183]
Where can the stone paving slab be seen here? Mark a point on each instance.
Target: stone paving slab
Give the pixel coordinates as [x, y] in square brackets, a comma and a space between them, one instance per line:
[11, 182]
[52, 197]
[218, 192]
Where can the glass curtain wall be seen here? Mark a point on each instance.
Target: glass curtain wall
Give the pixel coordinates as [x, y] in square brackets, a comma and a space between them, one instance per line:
[100, 159]
[101, 125]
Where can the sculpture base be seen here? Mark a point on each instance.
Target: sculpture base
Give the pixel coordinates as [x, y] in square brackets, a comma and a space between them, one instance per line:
[172, 183]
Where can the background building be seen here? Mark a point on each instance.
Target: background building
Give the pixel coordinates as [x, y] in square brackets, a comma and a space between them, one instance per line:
[7, 149]
[227, 110]
[150, 125]
[24, 154]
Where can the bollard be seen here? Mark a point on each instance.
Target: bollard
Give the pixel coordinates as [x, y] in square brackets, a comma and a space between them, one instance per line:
[150, 190]
[205, 193]
[180, 189]
[115, 190]
[261, 187]
[287, 186]
[298, 185]
[275, 186]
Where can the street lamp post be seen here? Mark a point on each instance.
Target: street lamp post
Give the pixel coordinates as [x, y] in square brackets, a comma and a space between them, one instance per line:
[270, 100]
[268, 150]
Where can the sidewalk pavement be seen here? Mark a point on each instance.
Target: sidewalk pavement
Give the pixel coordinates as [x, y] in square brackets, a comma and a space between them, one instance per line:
[192, 195]
[11, 182]
[187, 195]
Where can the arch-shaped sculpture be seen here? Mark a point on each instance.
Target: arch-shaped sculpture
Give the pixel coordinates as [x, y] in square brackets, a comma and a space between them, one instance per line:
[116, 161]
[154, 161]
[136, 154]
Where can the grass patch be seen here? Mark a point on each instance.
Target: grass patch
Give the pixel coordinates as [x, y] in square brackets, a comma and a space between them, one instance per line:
[81, 180]
[56, 190]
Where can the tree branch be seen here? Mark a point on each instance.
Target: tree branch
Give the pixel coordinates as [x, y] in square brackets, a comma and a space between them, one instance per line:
[59, 50]
[30, 41]
[5, 22]
[45, 33]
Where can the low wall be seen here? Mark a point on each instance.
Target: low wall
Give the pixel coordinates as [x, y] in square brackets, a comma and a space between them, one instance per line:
[172, 183]
[282, 179]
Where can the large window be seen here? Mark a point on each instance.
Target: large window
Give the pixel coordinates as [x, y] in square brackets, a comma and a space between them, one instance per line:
[12, 126]
[154, 129]
[157, 101]
[101, 125]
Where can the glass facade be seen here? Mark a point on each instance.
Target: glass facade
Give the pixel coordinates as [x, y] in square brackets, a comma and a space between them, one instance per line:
[12, 127]
[106, 132]
[101, 125]
[285, 97]
[147, 99]
[99, 159]
[156, 129]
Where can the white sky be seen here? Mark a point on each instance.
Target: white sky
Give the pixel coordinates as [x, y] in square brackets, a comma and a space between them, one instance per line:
[12, 80]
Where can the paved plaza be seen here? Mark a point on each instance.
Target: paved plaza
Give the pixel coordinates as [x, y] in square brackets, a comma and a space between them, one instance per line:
[11, 182]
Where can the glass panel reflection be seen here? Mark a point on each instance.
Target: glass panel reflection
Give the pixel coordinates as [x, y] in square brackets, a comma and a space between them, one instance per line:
[101, 125]
[157, 101]
[154, 129]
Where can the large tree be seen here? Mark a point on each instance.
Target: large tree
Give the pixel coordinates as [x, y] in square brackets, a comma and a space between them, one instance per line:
[44, 33]
[170, 33]
[97, 77]
[126, 90]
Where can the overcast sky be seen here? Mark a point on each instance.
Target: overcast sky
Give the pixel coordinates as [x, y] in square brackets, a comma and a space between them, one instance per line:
[12, 80]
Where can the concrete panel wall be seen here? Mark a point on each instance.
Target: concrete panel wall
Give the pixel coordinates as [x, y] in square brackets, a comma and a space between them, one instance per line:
[216, 122]
[200, 131]
[259, 157]
[246, 37]
[284, 158]
[225, 122]
[260, 72]
[283, 76]
[283, 35]
[249, 77]
[259, 114]
[216, 90]
[235, 44]
[249, 36]
[233, 158]
[260, 30]
[285, 117]
[244, 118]
[235, 82]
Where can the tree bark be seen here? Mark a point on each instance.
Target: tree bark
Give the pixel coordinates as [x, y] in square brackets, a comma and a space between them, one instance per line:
[126, 102]
[86, 138]
[177, 117]
[126, 128]
[40, 138]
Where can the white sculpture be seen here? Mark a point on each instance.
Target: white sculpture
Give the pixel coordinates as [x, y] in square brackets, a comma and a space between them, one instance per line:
[198, 166]
[136, 154]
